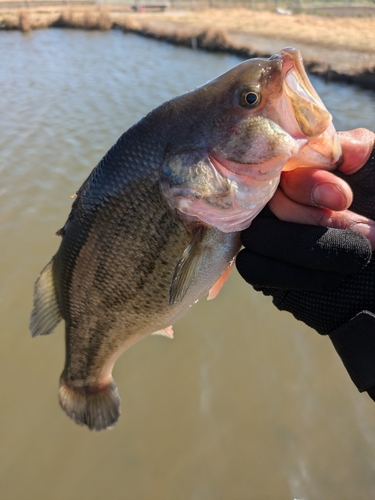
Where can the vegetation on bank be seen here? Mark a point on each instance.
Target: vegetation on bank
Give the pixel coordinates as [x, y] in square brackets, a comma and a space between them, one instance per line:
[351, 33]
[190, 29]
[99, 19]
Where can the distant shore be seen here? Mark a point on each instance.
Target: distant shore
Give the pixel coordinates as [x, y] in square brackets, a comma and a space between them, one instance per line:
[338, 49]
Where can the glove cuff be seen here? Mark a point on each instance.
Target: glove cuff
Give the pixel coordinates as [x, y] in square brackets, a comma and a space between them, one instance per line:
[355, 344]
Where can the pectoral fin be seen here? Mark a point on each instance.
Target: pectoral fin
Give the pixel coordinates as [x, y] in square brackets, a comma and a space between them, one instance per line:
[187, 267]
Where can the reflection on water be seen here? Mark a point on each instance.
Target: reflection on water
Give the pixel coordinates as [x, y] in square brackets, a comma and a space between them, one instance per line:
[245, 402]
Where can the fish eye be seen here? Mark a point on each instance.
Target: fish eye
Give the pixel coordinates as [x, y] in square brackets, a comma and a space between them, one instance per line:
[250, 98]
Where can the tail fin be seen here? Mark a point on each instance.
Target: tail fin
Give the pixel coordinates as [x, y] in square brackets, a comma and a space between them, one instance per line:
[98, 409]
[46, 313]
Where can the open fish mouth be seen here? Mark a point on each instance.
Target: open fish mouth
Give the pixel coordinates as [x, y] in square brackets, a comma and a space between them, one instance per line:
[309, 112]
[294, 71]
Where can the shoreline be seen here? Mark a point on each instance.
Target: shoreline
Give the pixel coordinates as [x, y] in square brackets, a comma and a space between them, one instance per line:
[329, 53]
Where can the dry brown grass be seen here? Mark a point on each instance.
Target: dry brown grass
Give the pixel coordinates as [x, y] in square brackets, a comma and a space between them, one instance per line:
[203, 37]
[24, 21]
[357, 33]
[104, 20]
[339, 49]
[99, 20]
[66, 17]
[87, 19]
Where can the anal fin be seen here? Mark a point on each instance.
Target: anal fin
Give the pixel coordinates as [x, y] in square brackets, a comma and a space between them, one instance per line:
[166, 332]
[46, 312]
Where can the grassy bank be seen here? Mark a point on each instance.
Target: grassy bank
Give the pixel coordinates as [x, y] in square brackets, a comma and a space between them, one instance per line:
[336, 48]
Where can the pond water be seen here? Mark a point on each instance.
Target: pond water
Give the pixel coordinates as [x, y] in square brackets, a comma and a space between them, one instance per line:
[245, 402]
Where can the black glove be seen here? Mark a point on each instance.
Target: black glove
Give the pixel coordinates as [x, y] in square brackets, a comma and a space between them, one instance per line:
[324, 277]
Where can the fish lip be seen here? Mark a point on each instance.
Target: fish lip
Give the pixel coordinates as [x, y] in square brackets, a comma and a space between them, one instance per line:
[290, 59]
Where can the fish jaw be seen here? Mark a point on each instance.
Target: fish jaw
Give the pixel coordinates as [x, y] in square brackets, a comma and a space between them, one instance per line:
[308, 109]
[308, 116]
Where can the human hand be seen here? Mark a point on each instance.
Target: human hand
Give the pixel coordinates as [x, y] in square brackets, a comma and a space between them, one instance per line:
[321, 198]
[307, 255]
[325, 277]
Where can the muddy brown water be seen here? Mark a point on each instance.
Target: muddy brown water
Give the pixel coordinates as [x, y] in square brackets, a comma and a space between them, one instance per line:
[245, 402]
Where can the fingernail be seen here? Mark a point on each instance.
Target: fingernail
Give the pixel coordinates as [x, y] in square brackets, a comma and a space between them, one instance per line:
[367, 230]
[330, 196]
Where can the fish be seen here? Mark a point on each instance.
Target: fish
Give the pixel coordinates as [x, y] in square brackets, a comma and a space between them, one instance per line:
[155, 227]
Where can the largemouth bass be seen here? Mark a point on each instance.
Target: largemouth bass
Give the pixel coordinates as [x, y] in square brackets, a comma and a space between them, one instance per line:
[155, 226]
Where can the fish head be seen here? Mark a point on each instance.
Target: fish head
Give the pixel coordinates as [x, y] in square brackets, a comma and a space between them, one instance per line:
[271, 119]
[261, 117]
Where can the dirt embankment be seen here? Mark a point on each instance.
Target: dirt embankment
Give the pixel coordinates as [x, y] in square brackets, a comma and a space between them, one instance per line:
[341, 48]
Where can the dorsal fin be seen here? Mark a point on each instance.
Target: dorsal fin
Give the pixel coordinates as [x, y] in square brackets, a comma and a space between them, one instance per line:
[187, 267]
[46, 313]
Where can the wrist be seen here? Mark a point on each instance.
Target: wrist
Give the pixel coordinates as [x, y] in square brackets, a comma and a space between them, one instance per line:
[355, 344]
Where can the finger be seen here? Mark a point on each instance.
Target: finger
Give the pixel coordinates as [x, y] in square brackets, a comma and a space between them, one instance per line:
[262, 271]
[321, 188]
[350, 220]
[315, 187]
[357, 146]
[319, 248]
[288, 210]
